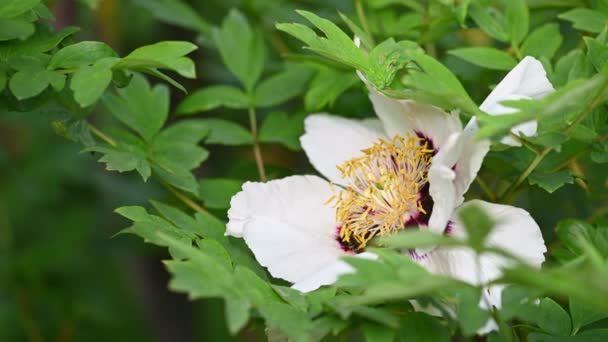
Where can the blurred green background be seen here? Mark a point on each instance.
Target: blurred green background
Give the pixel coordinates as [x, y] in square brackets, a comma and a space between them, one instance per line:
[64, 277]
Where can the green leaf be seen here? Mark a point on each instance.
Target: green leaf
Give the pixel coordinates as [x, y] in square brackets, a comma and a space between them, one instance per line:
[517, 20]
[542, 42]
[43, 40]
[490, 58]
[176, 12]
[379, 333]
[124, 158]
[162, 55]
[80, 54]
[13, 8]
[213, 97]
[585, 19]
[225, 132]
[470, 315]
[90, 82]
[553, 318]
[488, 21]
[551, 182]
[599, 154]
[15, 29]
[572, 232]
[216, 193]
[25, 84]
[597, 53]
[476, 222]
[242, 49]
[278, 127]
[327, 86]
[281, 87]
[420, 327]
[139, 106]
[336, 44]
[237, 314]
[386, 59]
[583, 314]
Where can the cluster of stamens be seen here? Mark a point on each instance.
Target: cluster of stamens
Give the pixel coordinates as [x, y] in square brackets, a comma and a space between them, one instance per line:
[384, 191]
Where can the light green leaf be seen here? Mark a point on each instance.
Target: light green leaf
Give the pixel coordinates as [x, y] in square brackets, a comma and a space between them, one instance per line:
[586, 19]
[477, 223]
[217, 192]
[213, 97]
[327, 86]
[490, 58]
[12, 8]
[15, 29]
[237, 314]
[80, 54]
[551, 182]
[90, 82]
[542, 42]
[489, 22]
[281, 87]
[242, 49]
[25, 84]
[42, 40]
[335, 44]
[597, 52]
[139, 106]
[162, 55]
[517, 20]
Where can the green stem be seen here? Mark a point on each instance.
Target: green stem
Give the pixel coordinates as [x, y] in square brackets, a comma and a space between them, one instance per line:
[486, 189]
[185, 199]
[101, 135]
[506, 197]
[257, 152]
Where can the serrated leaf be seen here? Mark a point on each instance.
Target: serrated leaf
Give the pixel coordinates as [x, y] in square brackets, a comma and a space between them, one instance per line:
[551, 182]
[213, 97]
[141, 107]
[335, 45]
[490, 58]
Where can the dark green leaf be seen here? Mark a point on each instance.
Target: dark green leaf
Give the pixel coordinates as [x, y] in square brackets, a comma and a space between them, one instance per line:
[327, 86]
[26, 84]
[420, 327]
[476, 222]
[551, 182]
[583, 314]
[176, 12]
[553, 318]
[278, 127]
[281, 87]
[15, 29]
[13, 8]
[162, 55]
[217, 192]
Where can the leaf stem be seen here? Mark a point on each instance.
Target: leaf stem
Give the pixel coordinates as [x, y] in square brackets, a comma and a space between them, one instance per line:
[185, 199]
[486, 188]
[101, 135]
[257, 152]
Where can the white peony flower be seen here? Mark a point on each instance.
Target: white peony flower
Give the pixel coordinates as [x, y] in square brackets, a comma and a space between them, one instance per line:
[409, 168]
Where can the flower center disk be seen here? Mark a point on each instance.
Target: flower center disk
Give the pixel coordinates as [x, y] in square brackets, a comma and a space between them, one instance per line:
[384, 194]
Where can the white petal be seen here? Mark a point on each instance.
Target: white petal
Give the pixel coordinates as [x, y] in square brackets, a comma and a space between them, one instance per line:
[469, 162]
[442, 186]
[329, 274]
[287, 226]
[515, 231]
[331, 140]
[528, 80]
[401, 117]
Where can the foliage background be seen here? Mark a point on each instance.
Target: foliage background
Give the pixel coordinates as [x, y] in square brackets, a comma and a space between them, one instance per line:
[62, 275]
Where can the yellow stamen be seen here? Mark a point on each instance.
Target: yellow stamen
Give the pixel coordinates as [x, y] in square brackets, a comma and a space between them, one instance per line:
[384, 189]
